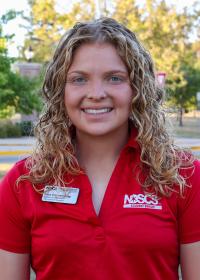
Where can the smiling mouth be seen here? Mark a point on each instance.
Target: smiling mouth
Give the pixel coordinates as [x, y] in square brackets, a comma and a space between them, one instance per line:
[97, 111]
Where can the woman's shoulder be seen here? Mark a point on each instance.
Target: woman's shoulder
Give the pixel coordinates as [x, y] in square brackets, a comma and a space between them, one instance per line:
[197, 166]
[18, 169]
[191, 194]
[20, 166]
[194, 180]
[196, 172]
[189, 207]
[192, 174]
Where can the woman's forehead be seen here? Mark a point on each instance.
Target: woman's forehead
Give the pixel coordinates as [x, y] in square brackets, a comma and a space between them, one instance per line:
[97, 55]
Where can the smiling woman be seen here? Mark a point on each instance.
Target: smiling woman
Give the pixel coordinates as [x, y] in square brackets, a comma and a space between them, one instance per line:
[106, 191]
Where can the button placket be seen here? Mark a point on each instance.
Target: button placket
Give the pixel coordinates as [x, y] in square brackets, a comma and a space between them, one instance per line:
[99, 233]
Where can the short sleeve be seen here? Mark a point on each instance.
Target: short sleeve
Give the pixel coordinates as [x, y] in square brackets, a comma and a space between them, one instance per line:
[15, 230]
[189, 209]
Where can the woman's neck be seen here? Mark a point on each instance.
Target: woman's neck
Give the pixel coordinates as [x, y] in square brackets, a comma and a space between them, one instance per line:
[92, 149]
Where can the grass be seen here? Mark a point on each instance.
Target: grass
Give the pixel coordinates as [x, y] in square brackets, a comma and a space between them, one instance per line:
[4, 167]
[191, 125]
[1, 174]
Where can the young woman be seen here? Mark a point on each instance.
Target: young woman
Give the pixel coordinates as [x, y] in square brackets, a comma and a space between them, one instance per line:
[106, 194]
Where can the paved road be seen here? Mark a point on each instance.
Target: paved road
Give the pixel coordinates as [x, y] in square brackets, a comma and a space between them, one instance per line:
[10, 159]
[14, 149]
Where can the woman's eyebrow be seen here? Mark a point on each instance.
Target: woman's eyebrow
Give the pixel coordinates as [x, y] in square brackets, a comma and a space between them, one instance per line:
[77, 72]
[114, 71]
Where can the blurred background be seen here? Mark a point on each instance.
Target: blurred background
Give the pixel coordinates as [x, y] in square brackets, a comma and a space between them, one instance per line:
[31, 29]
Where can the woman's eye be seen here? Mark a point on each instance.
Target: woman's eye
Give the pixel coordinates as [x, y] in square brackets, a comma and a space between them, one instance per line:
[116, 79]
[79, 80]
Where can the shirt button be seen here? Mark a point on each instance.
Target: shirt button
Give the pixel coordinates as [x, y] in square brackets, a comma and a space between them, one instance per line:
[99, 233]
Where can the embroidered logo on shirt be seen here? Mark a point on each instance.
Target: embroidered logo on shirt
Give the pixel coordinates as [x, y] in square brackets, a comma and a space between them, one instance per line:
[142, 201]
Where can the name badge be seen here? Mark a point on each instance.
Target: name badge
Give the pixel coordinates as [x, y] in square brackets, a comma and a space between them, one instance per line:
[59, 194]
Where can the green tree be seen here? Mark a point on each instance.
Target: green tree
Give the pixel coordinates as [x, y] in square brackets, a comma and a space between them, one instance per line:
[4, 38]
[42, 30]
[128, 13]
[46, 25]
[185, 97]
[17, 94]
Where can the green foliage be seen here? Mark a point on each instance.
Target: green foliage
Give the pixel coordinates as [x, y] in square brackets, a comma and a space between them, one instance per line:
[42, 27]
[17, 94]
[46, 25]
[4, 38]
[3, 131]
[184, 96]
[26, 128]
[26, 98]
[7, 112]
[13, 130]
[8, 129]
[11, 14]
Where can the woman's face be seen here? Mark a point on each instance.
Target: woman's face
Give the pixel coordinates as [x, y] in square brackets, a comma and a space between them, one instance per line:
[98, 93]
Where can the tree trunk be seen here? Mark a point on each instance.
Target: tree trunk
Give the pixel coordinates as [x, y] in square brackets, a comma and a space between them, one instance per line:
[181, 116]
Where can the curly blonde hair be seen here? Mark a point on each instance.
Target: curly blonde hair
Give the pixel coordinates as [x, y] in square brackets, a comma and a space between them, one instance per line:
[54, 154]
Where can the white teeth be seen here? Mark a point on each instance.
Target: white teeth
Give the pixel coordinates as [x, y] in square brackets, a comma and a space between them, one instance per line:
[97, 111]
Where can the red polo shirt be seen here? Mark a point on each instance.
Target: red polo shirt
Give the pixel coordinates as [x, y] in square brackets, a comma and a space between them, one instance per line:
[133, 237]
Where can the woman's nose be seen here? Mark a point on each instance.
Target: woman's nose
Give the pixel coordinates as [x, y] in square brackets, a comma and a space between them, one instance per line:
[96, 91]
